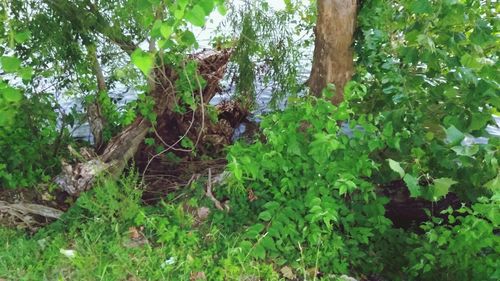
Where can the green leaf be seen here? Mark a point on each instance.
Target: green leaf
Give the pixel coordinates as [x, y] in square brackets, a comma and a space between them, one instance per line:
[396, 167]
[413, 186]
[471, 62]
[265, 216]
[441, 187]
[12, 95]
[149, 141]
[420, 6]
[454, 136]
[10, 64]
[388, 130]
[187, 143]
[259, 252]
[207, 5]
[179, 13]
[254, 230]
[144, 61]
[188, 38]
[22, 37]
[268, 243]
[494, 184]
[26, 73]
[7, 117]
[196, 16]
[166, 30]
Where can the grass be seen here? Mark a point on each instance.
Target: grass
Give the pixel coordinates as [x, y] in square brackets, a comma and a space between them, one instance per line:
[109, 235]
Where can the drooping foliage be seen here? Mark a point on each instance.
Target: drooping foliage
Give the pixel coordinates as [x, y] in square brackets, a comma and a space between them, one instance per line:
[268, 53]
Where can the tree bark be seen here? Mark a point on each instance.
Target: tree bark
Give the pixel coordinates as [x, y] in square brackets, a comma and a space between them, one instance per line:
[94, 113]
[333, 58]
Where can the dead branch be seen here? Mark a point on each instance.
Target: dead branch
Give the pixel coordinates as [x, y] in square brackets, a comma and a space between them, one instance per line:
[209, 193]
[22, 209]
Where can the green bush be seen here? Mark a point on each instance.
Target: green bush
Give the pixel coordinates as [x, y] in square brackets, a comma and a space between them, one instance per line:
[31, 144]
[465, 248]
[430, 69]
[311, 202]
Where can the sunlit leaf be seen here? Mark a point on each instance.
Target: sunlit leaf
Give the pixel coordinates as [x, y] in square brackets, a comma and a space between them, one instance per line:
[453, 135]
[144, 61]
[166, 30]
[22, 37]
[396, 167]
[441, 187]
[196, 16]
[207, 5]
[413, 186]
[494, 184]
[12, 95]
[10, 64]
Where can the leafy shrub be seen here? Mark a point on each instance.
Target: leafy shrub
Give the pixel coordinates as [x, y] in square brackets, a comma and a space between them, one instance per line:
[32, 144]
[466, 249]
[430, 68]
[310, 200]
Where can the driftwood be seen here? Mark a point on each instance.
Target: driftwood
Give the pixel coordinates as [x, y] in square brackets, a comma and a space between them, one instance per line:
[26, 215]
[79, 177]
[18, 209]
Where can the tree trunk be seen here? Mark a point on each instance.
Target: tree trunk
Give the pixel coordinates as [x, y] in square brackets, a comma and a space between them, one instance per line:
[94, 112]
[333, 59]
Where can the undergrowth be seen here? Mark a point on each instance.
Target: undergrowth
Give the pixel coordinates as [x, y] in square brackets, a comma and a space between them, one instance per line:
[301, 207]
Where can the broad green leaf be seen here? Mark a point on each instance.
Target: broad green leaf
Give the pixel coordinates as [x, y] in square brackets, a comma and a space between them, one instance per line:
[182, 3]
[254, 230]
[26, 73]
[207, 5]
[235, 168]
[196, 16]
[494, 184]
[7, 117]
[10, 64]
[396, 167]
[413, 186]
[441, 187]
[22, 37]
[388, 130]
[471, 62]
[265, 216]
[420, 6]
[259, 251]
[179, 13]
[454, 136]
[268, 243]
[272, 205]
[166, 30]
[12, 95]
[342, 189]
[144, 61]
[188, 38]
